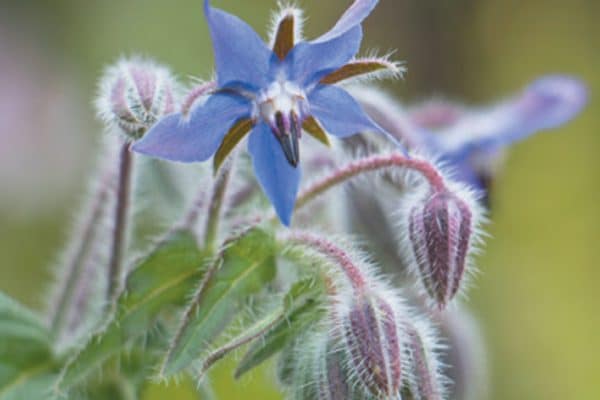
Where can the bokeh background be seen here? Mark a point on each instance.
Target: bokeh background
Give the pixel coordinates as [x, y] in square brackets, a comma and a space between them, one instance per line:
[537, 298]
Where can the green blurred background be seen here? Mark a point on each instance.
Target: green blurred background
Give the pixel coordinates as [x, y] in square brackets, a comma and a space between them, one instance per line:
[537, 296]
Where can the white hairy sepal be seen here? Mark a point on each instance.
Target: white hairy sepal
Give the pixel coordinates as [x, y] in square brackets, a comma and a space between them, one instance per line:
[286, 9]
[390, 69]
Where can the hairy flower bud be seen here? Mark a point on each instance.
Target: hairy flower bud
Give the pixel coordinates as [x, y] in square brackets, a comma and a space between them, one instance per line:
[320, 370]
[373, 343]
[440, 232]
[335, 382]
[425, 381]
[134, 94]
[312, 368]
[336, 387]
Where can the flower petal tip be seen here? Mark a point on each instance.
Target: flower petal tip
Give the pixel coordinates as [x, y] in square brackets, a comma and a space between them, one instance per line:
[286, 219]
[156, 142]
[240, 53]
[555, 99]
[352, 17]
[206, 7]
[279, 180]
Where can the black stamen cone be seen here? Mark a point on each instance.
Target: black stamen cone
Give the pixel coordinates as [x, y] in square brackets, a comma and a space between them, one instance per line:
[288, 139]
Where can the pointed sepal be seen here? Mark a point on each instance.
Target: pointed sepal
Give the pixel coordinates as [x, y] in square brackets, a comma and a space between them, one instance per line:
[313, 128]
[364, 68]
[235, 135]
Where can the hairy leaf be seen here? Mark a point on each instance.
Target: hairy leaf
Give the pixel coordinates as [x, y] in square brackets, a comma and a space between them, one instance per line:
[246, 266]
[300, 310]
[248, 335]
[27, 365]
[161, 280]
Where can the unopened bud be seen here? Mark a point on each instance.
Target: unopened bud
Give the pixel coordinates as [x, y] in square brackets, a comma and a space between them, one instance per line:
[440, 231]
[314, 369]
[374, 344]
[334, 383]
[134, 94]
[321, 371]
[425, 381]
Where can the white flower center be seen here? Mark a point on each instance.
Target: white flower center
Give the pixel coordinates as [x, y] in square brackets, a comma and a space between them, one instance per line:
[283, 97]
[283, 107]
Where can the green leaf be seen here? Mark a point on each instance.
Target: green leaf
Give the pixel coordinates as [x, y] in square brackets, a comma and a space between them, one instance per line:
[246, 266]
[27, 366]
[249, 334]
[301, 310]
[163, 279]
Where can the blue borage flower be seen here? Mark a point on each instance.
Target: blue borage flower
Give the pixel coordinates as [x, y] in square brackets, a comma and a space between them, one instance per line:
[478, 135]
[469, 139]
[273, 94]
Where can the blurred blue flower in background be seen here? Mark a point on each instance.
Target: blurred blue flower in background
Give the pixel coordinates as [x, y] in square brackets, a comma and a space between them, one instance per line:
[470, 139]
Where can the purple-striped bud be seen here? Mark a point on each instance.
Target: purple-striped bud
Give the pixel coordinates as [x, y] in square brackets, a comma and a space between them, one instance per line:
[439, 232]
[333, 381]
[315, 368]
[425, 381]
[373, 344]
[134, 94]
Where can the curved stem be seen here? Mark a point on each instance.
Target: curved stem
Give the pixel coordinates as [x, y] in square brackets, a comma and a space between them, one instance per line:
[115, 266]
[191, 217]
[194, 94]
[216, 204]
[335, 253]
[369, 164]
[254, 332]
[244, 194]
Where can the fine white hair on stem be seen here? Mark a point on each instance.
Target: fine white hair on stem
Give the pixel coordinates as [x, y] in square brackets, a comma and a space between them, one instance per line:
[77, 296]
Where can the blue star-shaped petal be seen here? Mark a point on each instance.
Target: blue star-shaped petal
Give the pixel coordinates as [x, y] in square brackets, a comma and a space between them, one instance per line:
[273, 94]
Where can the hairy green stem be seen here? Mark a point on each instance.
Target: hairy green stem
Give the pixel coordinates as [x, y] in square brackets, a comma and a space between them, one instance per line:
[74, 264]
[259, 329]
[215, 206]
[121, 215]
